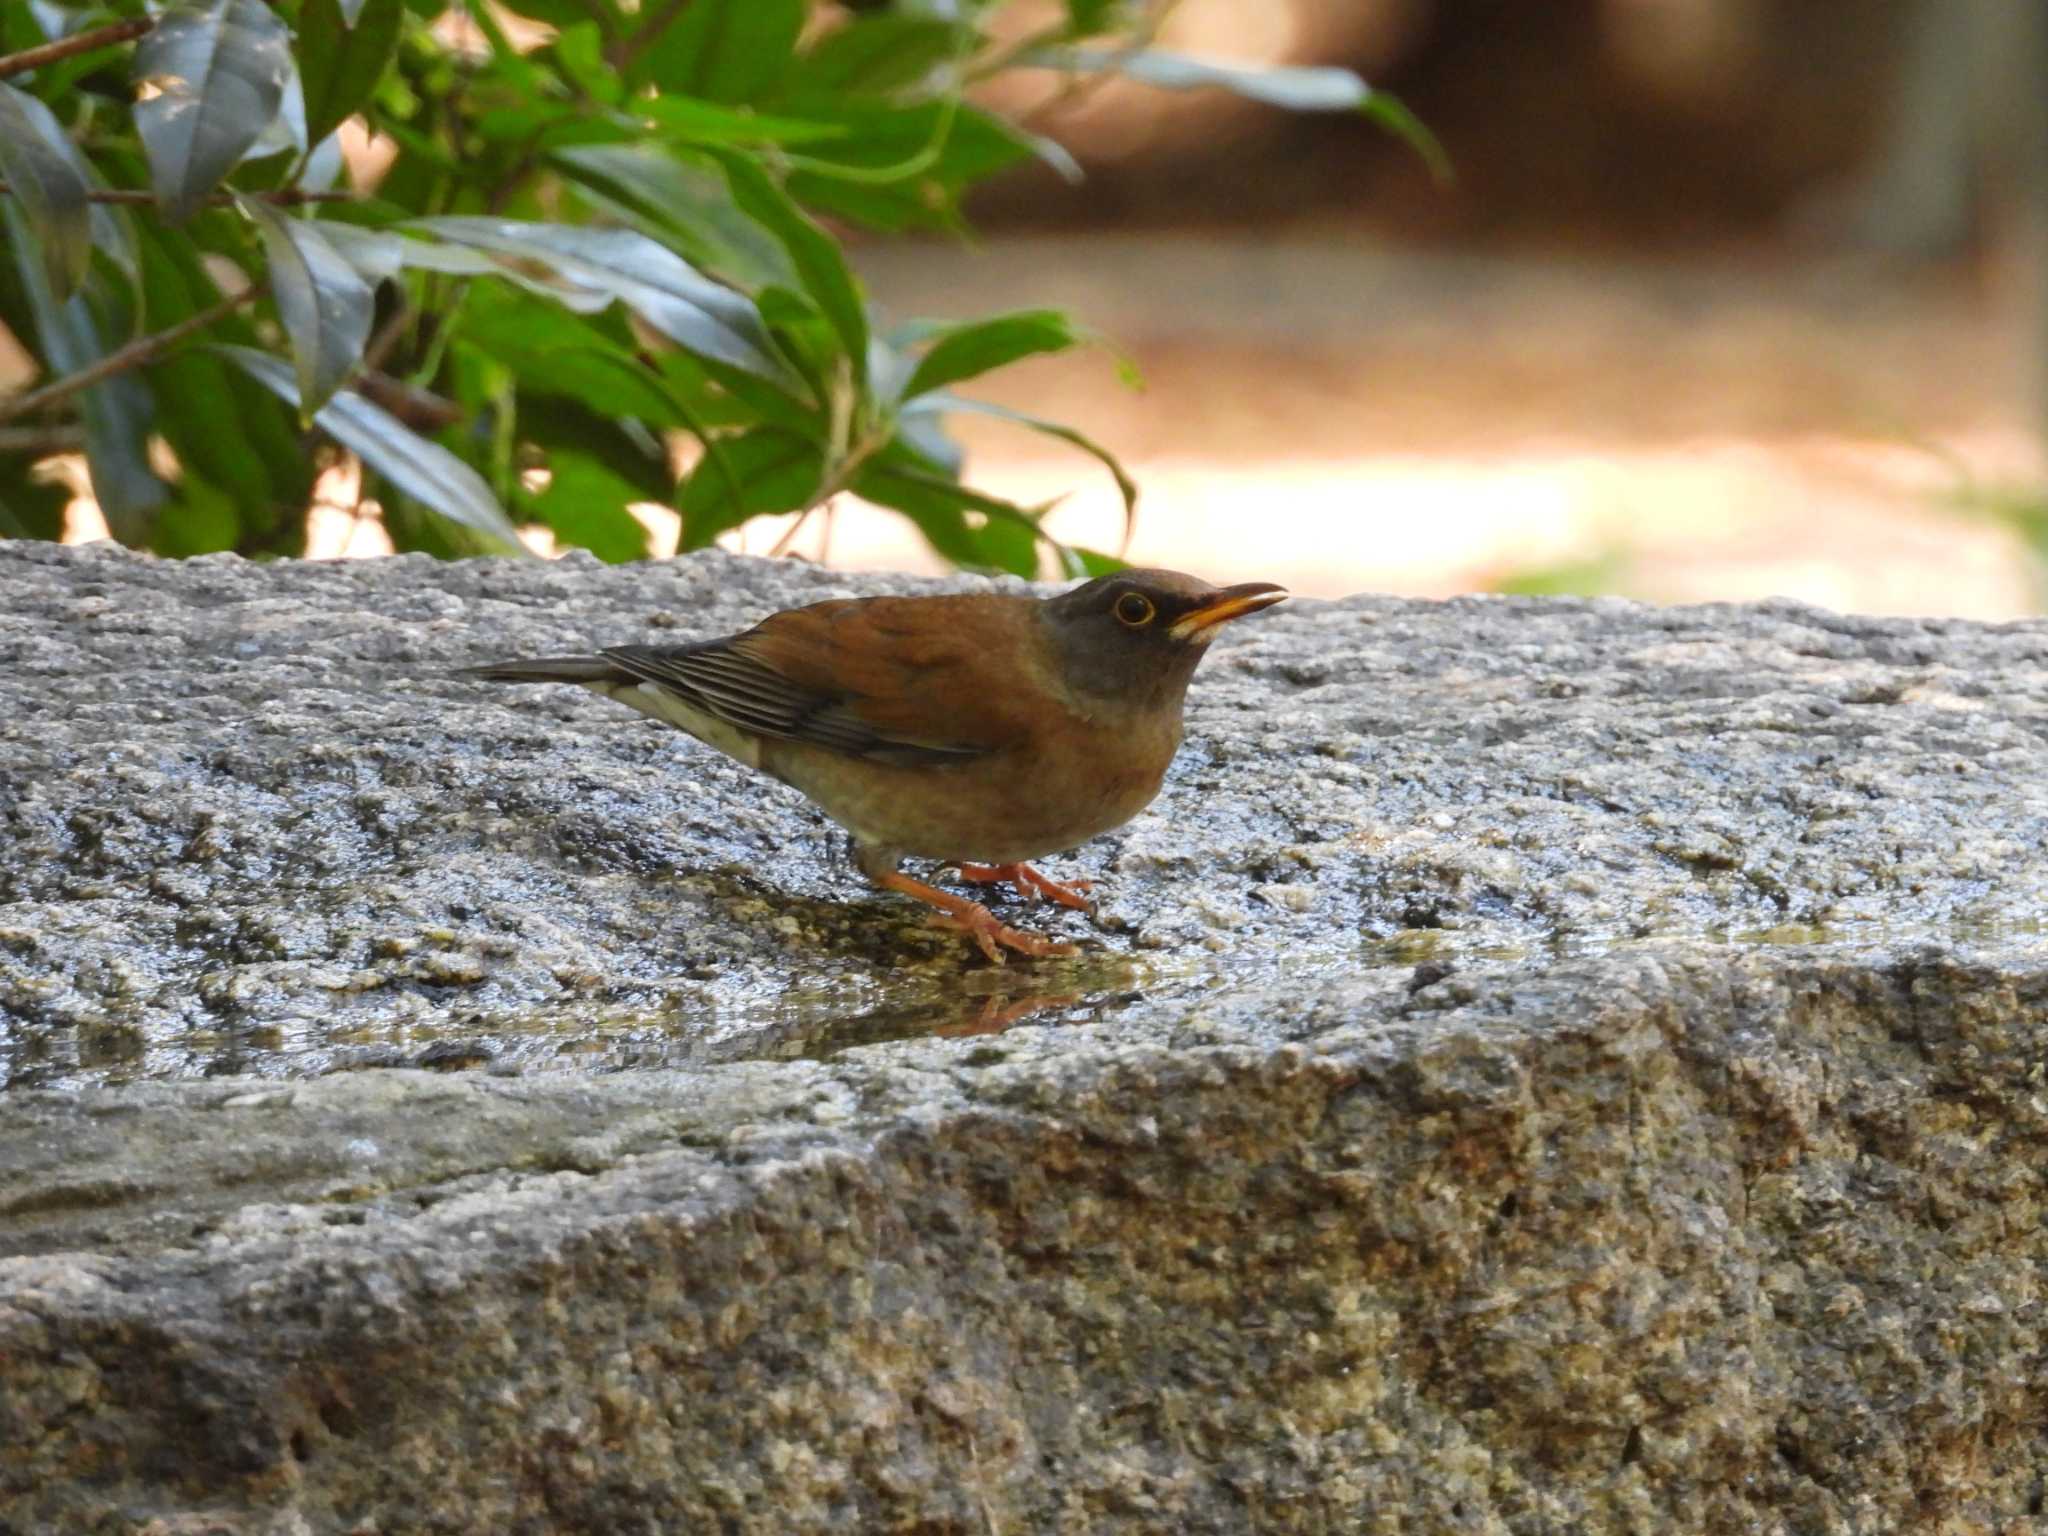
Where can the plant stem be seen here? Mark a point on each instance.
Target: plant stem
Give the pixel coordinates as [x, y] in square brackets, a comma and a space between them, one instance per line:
[36, 442]
[65, 47]
[141, 351]
[284, 196]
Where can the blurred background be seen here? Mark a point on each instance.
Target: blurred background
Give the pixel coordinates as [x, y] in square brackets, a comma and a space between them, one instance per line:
[1729, 299]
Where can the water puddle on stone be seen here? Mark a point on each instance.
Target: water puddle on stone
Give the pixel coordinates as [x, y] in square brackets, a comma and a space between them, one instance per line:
[820, 1018]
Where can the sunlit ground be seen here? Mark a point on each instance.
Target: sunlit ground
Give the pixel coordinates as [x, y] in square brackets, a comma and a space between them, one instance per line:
[1340, 417]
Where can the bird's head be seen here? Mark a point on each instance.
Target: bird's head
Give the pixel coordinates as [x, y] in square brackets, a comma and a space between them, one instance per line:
[1137, 635]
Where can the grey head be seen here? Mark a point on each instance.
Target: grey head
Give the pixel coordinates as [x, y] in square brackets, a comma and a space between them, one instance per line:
[1135, 638]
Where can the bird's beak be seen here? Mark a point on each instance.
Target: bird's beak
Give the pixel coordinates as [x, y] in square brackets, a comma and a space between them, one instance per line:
[1230, 603]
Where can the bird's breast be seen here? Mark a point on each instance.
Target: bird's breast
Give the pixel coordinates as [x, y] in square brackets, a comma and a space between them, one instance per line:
[1057, 786]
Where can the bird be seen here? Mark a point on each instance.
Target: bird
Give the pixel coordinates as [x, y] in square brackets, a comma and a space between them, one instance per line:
[984, 730]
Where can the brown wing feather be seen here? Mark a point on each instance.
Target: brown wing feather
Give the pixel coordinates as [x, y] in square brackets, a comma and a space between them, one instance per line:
[900, 680]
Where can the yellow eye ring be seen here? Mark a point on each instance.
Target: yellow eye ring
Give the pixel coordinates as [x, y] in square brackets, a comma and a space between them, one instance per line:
[1135, 609]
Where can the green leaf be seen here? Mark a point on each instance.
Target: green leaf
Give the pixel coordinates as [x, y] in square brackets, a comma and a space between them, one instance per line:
[925, 433]
[738, 398]
[1006, 538]
[638, 458]
[1093, 562]
[804, 336]
[50, 188]
[554, 352]
[259, 464]
[199, 520]
[722, 50]
[877, 55]
[764, 470]
[596, 266]
[1392, 114]
[683, 201]
[820, 264]
[213, 74]
[685, 120]
[585, 504]
[1126, 487]
[341, 58]
[579, 54]
[1089, 18]
[421, 469]
[979, 346]
[904, 167]
[1297, 87]
[116, 413]
[324, 303]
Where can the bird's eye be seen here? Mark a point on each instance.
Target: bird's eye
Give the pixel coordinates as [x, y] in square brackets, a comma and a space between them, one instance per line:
[1135, 609]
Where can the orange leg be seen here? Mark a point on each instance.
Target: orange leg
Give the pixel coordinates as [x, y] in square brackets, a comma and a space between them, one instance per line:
[1029, 882]
[974, 920]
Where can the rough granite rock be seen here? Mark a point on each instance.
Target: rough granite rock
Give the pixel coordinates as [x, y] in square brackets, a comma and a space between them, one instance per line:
[1544, 1067]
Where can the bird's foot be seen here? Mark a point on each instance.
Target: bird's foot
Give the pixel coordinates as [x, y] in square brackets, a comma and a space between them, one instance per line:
[1030, 883]
[975, 920]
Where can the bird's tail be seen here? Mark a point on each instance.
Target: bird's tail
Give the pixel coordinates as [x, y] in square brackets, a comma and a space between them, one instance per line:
[547, 669]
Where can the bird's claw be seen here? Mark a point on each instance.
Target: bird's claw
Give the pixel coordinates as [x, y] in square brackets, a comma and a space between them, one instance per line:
[960, 915]
[1030, 883]
[993, 935]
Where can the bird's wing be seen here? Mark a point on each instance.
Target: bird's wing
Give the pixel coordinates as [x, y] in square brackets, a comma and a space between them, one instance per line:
[869, 678]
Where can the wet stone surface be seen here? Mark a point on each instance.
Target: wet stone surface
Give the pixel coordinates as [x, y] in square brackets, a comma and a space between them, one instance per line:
[1541, 1066]
[248, 823]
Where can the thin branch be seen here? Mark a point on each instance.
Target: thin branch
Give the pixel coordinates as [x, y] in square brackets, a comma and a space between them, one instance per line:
[65, 47]
[789, 534]
[388, 336]
[143, 350]
[284, 196]
[39, 442]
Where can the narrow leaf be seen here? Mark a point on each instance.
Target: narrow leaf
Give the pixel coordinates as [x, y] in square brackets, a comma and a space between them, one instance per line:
[765, 470]
[1297, 87]
[1093, 562]
[50, 188]
[637, 457]
[965, 351]
[682, 201]
[1007, 540]
[379, 254]
[212, 75]
[877, 55]
[423, 470]
[555, 352]
[925, 432]
[685, 120]
[579, 55]
[1126, 487]
[1088, 17]
[904, 167]
[116, 413]
[342, 56]
[323, 301]
[663, 289]
[260, 463]
[820, 264]
[723, 50]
